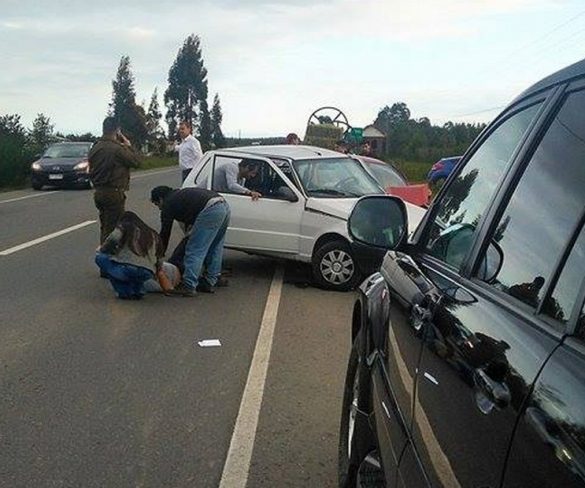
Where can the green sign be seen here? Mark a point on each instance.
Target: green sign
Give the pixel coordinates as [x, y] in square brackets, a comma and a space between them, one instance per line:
[355, 135]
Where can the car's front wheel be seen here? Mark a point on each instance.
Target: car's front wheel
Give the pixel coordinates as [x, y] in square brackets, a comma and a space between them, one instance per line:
[334, 266]
[36, 185]
[358, 461]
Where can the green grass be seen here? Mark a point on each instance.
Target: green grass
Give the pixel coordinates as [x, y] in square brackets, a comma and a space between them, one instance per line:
[151, 162]
[416, 172]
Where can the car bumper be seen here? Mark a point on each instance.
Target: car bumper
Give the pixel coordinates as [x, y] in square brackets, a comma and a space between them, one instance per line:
[62, 178]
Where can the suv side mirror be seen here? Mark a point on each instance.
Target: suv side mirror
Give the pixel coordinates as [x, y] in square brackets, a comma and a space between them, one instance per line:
[379, 221]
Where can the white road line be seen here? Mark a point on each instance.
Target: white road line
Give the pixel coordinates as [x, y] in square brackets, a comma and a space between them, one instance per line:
[44, 194]
[237, 464]
[34, 242]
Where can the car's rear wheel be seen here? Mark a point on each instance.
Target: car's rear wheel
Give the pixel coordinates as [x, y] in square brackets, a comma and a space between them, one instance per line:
[358, 463]
[334, 266]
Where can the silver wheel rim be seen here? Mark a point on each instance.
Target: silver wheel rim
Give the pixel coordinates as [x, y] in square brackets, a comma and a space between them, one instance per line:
[353, 411]
[337, 267]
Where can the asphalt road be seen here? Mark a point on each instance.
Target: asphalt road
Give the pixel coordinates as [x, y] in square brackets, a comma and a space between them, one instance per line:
[99, 392]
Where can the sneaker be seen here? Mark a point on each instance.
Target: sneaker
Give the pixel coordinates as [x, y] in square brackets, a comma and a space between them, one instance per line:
[183, 290]
[205, 287]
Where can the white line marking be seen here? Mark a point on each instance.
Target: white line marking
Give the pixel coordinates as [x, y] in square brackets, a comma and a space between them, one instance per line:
[34, 242]
[44, 194]
[237, 464]
[431, 378]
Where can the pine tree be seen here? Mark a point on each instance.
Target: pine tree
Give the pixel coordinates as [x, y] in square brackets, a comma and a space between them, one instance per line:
[130, 115]
[153, 118]
[186, 95]
[216, 120]
[41, 134]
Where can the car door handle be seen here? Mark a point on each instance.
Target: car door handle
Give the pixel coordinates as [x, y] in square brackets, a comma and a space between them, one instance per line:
[490, 393]
[419, 315]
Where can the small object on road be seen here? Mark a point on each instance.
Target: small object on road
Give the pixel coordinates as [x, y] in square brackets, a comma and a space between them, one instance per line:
[209, 343]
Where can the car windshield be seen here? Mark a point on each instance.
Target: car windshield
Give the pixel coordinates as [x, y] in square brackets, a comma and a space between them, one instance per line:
[335, 178]
[67, 151]
[386, 175]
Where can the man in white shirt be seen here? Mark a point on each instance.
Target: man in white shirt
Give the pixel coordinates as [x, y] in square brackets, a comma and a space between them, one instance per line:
[229, 177]
[190, 153]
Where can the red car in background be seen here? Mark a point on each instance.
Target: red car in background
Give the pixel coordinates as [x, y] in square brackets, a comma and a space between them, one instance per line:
[395, 183]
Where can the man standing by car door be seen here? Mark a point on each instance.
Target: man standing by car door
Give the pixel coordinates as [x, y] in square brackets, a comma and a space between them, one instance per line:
[189, 149]
[110, 160]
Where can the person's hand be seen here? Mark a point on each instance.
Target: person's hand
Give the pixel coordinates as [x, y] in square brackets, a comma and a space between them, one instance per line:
[123, 140]
[255, 195]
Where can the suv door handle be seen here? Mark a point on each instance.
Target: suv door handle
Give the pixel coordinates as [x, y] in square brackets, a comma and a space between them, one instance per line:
[419, 315]
[490, 393]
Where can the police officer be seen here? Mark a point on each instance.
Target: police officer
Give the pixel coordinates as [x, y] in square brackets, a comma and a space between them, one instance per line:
[110, 160]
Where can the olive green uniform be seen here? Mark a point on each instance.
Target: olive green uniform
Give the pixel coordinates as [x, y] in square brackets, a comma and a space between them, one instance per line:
[109, 172]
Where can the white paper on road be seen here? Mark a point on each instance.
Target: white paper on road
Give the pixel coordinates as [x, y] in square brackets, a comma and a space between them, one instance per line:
[209, 343]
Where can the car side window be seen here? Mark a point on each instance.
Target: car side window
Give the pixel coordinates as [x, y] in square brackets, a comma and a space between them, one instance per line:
[543, 212]
[269, 183]
[203, 176]
[469, 194]
[559, 304]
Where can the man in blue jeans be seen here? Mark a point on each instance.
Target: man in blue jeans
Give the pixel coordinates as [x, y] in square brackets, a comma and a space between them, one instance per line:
[207, 214]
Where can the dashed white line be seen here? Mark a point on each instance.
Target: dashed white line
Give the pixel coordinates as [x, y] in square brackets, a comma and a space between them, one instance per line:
[237, 464]
[44, 194]
[34, 242]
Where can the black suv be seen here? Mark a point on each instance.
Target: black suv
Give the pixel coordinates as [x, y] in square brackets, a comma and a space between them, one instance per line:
[468, 361]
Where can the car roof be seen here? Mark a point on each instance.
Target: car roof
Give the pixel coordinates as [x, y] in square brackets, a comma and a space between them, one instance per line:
[288, 151]
[571, 72]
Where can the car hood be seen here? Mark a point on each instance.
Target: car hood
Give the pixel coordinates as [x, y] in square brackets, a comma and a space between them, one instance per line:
[337, 207]
[62, 162]
[415, 215]
[341, 208]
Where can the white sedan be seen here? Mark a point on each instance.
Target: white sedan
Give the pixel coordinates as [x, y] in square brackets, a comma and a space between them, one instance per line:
[307, 196]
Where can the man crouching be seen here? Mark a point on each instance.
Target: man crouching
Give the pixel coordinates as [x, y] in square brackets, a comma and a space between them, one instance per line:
[207, 215]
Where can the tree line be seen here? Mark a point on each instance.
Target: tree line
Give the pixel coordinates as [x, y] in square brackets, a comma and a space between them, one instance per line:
[418, 140]
[186, 98]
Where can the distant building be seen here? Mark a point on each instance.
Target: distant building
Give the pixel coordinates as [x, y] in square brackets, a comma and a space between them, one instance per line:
[376, 138]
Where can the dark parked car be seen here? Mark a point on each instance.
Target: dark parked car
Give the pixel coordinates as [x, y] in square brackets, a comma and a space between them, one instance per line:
[62, 164]
[468, 361]
[441, 170]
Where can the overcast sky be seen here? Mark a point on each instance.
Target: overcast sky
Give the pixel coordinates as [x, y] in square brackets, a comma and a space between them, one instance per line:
[274, 61]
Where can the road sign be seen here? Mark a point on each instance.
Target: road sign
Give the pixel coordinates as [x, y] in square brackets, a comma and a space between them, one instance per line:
[355, 135]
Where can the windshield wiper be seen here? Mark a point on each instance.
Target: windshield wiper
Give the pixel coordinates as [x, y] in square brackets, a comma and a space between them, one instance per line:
[331, 191]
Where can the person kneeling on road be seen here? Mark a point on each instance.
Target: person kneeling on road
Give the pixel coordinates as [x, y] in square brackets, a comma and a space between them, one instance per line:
[130, 256]
[207, 214]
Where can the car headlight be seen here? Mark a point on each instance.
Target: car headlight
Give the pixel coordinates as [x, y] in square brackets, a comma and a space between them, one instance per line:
[36, 166]
[83, 166]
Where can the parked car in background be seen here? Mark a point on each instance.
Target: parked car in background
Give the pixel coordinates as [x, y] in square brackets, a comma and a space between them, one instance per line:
[395, 183]
[307, 195]
[63, 164]
[468, 361]
[441, 170]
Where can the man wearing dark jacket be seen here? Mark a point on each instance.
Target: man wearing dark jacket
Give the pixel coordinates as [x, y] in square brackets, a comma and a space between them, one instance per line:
[110, 160]
[208, 215]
